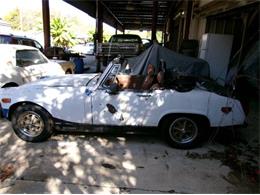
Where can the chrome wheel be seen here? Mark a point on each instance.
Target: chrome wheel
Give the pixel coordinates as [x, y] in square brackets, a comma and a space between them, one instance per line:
[30, 123]
[183, 130]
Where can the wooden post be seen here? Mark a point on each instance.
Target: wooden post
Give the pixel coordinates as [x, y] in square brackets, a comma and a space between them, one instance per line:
[116, 29]
[245, 22]
[154, 21]
[99, 21]
[165, 33]
[99, 31]
[46, 23]
[188, 19]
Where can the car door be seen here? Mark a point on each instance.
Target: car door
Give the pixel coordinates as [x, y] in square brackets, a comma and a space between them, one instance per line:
[127, 107]
[122, 107]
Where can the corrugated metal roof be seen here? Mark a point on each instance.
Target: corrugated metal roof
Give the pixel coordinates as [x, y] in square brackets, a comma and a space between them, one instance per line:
[131, 14]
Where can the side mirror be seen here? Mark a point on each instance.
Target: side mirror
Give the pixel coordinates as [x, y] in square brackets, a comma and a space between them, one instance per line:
[112, 89]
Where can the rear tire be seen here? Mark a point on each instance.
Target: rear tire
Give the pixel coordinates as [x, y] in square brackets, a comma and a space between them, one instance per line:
[184, 132]
[32, 123]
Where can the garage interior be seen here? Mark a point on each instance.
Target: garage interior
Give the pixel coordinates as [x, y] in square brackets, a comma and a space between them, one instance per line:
[183, 24]
[179, 20]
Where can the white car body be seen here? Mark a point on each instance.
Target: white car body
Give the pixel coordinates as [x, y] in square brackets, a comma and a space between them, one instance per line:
[71, 99]
[11, 72]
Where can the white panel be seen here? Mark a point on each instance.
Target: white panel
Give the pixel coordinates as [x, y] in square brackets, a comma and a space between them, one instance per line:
[204, 41]
[203, 54]
[217, 54]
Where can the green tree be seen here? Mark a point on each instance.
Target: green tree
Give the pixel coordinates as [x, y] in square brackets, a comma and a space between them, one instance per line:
[23, 21]
[13, 18]
[61, 34]
[90, 34]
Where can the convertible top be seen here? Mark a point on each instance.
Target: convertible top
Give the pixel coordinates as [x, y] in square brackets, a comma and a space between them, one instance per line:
[182, 64]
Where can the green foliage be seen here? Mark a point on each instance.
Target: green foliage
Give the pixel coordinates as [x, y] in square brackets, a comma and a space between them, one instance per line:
[23, 21]
[13, 18]
[60, 32]
[90, 34]
[106, 37]
[62, 28]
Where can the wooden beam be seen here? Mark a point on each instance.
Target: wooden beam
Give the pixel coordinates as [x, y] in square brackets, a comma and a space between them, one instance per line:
[99, 31]
[221, 6]
[154, 22]
[99, 21]
[46, 23]
[118, 22]
[89, 7]
[188, 19]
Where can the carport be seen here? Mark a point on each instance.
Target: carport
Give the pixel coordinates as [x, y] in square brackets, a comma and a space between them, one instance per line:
[130, 15]
[178, 20]
[183, 24]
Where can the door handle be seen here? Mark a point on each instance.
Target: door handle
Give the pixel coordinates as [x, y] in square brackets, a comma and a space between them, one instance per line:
[144, 95]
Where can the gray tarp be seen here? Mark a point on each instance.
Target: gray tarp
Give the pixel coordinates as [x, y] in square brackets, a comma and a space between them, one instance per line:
[182, 64]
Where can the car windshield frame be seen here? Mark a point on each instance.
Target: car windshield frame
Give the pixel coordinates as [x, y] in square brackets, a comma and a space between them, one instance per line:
[106, 73]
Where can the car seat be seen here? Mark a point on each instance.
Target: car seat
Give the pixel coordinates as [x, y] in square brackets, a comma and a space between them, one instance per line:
[148, 81]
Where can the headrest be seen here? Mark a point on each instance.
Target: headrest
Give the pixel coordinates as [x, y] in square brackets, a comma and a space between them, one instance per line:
[150, 70]
[160, 77]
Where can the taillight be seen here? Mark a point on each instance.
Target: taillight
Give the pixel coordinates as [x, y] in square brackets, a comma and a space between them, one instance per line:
[226, 110]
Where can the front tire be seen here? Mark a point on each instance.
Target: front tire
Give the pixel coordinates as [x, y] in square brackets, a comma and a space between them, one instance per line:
[32, 123]
[184, 132]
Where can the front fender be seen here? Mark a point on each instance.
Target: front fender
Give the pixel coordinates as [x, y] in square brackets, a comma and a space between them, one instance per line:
[66, 103]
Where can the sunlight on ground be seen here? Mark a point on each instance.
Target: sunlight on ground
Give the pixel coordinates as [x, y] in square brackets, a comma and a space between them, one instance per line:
[107, 164]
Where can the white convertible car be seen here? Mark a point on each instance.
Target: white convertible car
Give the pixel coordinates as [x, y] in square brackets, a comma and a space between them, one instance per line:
[118, 100]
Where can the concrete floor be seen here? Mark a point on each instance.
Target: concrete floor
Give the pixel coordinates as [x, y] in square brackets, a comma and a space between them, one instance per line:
[100, 163]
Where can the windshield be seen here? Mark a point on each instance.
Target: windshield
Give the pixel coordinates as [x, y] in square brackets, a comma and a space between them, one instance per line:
[125, 39]
[29, 57]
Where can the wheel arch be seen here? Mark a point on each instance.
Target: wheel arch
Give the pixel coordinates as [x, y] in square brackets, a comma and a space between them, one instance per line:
[201, 117]
[16, 105]
[68, 71]
[10, 84]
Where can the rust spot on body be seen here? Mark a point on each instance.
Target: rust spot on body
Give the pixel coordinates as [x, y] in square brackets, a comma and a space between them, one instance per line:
[111, 108]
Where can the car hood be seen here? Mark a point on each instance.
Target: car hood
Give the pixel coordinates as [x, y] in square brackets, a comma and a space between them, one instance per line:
[62, 81]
